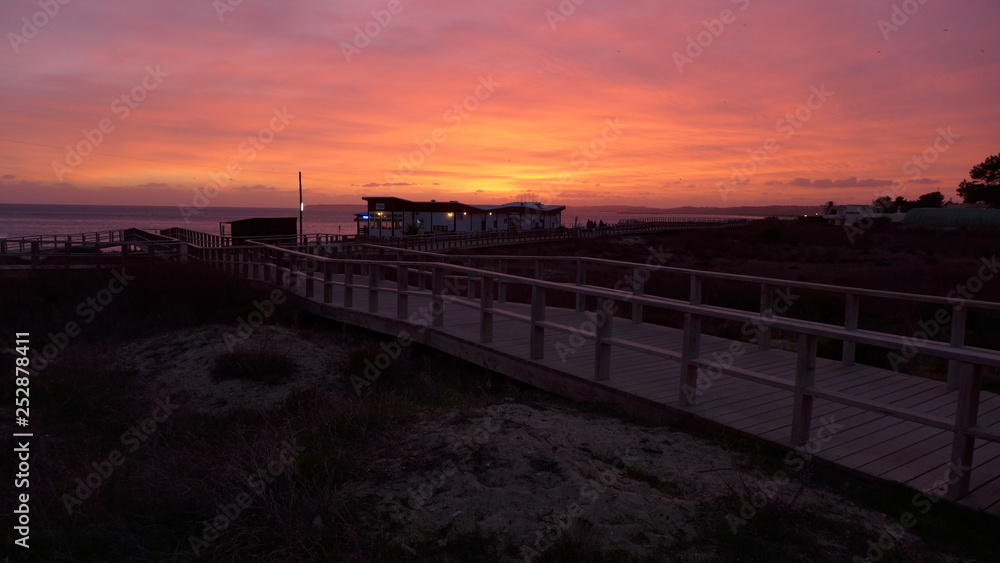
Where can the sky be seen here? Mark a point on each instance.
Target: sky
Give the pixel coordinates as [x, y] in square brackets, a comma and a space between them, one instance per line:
[575, 102]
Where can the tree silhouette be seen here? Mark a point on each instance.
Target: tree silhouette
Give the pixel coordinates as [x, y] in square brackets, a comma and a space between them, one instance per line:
[985, 184]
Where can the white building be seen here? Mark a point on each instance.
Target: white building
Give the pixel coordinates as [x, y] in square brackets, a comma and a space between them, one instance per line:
[847, 215]
[393, 217]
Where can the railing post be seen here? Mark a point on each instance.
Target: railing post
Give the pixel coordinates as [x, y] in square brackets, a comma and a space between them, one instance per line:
[766, 312]
[349, 285]
[958, 324]
[690, 351]
[638, 288]
[35, 258]
[537, 347]
[851, 307]
[373, 281]
[805, 376]
[486, 311]
[581, 280]
[966, 417]
[602, 349]
[310, 282]
[695, 293]
[437, 299]
[182, 252]
[402, 287]
[328, 281]
[502, 285]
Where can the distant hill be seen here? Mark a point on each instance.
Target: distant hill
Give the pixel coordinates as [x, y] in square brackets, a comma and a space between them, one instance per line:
[762, 210]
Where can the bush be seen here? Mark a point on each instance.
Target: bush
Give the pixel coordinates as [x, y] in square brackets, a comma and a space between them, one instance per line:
[260, 364]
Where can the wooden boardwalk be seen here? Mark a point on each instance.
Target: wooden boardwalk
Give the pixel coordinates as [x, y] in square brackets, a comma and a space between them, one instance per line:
[858, 440]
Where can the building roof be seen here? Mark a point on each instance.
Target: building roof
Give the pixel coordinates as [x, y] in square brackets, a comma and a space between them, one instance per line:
[400, 204]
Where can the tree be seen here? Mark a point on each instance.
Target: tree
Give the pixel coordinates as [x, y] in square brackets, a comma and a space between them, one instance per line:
[985, 184]
[882, 204]
[932, 199]
[828, 207]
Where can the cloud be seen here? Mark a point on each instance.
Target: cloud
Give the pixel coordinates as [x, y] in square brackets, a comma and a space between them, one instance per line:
[827, 183]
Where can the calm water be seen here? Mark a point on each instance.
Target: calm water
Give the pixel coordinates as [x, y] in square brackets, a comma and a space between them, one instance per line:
[33, 219]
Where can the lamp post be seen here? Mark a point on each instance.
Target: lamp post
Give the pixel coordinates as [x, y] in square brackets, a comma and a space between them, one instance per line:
[302, 207]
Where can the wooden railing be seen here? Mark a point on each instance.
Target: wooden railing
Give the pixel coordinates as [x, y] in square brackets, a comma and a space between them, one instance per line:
[45, 243]
[576, 271]
[284, 267]
[444, 241]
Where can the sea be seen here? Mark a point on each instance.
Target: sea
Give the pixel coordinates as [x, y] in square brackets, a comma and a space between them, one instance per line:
[18, 220]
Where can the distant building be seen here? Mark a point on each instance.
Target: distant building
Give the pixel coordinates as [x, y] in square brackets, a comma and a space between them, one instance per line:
[394, 217]
[261, 228]
[847, 215]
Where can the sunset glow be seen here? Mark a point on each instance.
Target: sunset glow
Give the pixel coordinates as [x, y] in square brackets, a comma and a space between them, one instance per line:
[583, 102]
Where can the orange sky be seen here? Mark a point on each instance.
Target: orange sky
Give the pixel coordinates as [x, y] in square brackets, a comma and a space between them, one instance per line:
[581, 102]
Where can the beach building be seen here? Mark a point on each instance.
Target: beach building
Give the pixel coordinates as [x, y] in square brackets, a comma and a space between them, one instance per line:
[847, 215]
[395, 217]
